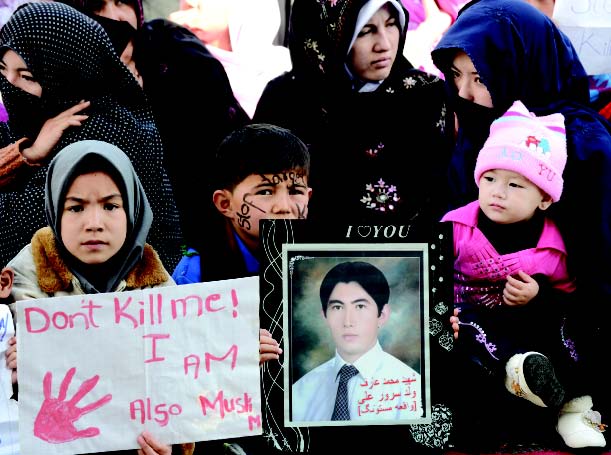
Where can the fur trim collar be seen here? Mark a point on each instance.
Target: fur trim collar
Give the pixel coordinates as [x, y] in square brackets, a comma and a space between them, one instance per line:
[54, 275]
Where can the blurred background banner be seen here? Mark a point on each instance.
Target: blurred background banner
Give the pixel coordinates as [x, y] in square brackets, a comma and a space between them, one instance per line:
[588, 25]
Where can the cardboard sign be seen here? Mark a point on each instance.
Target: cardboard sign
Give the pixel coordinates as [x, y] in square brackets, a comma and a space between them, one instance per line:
[181, 362]
[587, 23]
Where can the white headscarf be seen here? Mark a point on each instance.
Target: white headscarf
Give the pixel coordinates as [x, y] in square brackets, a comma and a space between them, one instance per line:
[366, 12]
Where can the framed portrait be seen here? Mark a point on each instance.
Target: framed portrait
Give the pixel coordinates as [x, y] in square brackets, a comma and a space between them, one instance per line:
[407, 406]
[387, 343]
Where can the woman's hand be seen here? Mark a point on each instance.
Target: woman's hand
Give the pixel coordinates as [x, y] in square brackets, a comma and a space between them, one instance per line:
[52, 130]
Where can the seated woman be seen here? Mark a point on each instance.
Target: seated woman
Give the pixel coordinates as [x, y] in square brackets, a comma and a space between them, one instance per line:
[44, 72]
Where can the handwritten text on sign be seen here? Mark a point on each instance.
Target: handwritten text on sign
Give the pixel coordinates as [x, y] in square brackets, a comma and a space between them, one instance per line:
[587, 23]
[180, 361]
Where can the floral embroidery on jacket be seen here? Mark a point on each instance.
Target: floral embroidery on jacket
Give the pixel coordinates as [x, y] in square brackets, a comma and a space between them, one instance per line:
[409, 82]
[373, 152]
[380, 196]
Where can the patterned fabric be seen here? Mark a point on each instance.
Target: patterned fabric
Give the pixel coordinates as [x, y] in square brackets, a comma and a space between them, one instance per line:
[362, 140]
[341, 411]
[72, 58]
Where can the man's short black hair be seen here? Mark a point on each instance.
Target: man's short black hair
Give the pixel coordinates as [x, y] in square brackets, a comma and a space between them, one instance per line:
[259, 148]
[368, 276]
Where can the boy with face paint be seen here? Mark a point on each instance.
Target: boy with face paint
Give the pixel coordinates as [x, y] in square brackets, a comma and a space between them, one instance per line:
[261, 171]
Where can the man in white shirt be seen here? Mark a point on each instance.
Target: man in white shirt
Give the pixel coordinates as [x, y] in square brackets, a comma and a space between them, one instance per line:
[354, 297]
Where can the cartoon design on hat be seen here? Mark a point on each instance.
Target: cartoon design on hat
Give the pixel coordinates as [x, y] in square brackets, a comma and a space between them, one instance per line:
[534, 147]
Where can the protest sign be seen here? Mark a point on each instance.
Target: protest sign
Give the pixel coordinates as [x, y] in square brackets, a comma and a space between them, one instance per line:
[587, 23]
[179, 361]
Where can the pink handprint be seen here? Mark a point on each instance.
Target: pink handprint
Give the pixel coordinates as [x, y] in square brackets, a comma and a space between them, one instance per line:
[55, 420]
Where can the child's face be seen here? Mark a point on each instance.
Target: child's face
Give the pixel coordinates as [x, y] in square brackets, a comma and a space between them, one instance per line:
[279, 196]
[375, 48]
[507, 197]
[93, 219]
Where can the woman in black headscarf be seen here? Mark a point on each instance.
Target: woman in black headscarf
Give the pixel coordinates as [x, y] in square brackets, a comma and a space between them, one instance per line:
[175, 69]
[377, 128]
[72, 59]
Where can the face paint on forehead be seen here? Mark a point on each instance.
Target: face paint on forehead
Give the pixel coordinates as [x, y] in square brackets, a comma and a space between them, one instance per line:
[291, 176]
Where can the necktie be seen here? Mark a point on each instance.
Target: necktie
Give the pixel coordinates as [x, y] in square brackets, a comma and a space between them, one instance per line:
[341, 410]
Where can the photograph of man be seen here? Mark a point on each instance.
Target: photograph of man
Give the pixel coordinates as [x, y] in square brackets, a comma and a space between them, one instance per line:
[361, 382]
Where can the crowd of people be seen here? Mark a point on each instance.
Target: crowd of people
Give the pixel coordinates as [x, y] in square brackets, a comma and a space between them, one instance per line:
[108, 183]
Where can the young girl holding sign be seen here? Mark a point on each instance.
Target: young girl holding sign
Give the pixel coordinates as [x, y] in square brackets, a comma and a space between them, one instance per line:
[98, 217]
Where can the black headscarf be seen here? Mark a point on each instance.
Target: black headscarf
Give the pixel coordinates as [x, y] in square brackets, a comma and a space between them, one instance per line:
[363, 138]
[72, 58]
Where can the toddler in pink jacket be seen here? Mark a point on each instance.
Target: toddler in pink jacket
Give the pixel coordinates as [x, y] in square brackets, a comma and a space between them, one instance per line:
[511, 282]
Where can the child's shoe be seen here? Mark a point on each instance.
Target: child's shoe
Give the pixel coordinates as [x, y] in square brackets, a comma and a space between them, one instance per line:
[579, 425]
[531, 376]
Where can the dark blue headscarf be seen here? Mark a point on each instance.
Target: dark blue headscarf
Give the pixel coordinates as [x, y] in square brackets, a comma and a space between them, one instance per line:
[519, 54]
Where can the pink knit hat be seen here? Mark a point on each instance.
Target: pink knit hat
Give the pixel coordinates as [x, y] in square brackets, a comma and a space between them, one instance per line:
[532, 146]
